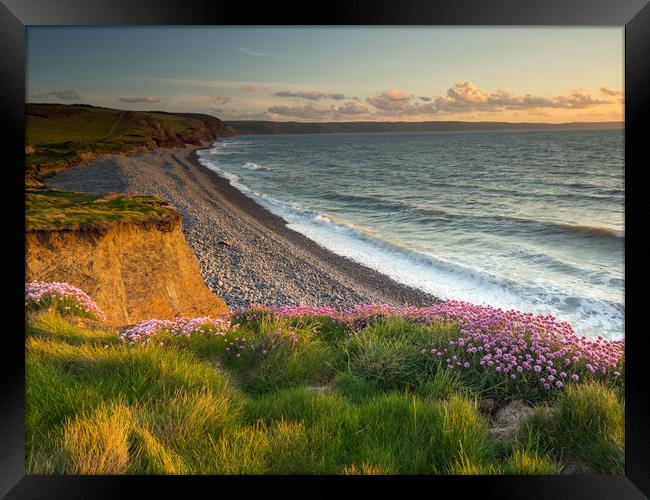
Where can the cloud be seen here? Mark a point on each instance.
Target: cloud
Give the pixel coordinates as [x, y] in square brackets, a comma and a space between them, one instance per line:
[312, 95]
[147, 100]
[503, 98]
[466, 92]
[236, 114]
[312, 111]
[465, 97]
[352, 108]
[220, 99]
[308, 111]
[252, 87]
[610, 91]
[62, 95]
[251, 52]
[258, 54]
[392, 101]
[579, 98]
[211, 110]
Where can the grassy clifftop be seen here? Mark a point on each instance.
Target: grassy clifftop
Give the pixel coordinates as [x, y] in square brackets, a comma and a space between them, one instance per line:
[51, 209]
[59, 136]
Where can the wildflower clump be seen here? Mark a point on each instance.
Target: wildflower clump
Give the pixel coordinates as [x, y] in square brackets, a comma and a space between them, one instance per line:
[523, 353]
[526, 348]
[146, 331]
[256, 313]
[66, 298]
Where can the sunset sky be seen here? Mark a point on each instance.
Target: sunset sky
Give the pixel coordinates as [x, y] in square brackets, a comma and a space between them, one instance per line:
[335, 74]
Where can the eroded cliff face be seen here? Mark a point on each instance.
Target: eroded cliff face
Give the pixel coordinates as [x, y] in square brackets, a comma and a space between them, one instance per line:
[133, 271]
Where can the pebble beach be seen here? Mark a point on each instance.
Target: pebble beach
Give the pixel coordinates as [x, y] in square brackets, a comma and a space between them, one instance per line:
[246, 254]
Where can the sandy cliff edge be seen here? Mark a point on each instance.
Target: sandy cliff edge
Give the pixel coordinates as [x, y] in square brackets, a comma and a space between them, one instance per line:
[133, 270]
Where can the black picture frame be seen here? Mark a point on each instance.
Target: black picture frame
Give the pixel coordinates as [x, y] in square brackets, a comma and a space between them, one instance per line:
[15, 15]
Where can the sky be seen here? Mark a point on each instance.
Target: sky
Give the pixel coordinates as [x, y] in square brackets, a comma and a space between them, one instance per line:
[522, 74]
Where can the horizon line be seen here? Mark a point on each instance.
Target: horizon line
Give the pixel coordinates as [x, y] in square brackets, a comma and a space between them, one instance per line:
[614, 122]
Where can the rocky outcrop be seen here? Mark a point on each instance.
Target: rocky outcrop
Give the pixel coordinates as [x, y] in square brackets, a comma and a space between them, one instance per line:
[209, 129]
[133, 270]
[161, 134]
[508, 420]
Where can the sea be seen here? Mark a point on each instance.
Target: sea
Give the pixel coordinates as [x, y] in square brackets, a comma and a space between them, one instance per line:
[526, 220]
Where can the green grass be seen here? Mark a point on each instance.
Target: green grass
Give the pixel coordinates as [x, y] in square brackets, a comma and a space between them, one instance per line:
[59, 136]
[587, 424]
[56, 209]
[314, 404]
[285, 356]
[58, 133]
[394, 353]
[531, 463]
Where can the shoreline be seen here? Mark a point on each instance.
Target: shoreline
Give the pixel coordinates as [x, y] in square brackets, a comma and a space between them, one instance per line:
[368, 276]
[247, 254]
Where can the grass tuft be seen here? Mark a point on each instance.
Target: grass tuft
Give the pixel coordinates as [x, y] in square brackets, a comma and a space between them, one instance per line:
[531, 463]
[99, 443]
[590, 423]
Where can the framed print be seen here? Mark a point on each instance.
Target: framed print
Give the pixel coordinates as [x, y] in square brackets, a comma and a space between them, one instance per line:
[377, 241]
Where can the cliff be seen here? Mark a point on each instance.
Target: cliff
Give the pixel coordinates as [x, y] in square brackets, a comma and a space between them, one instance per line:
[60, 136]
[135, 268]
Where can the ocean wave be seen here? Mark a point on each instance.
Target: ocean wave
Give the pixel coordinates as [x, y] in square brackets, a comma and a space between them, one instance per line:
[373, 202]
[594, 230]
[551, 226]
[600, 195]
[604, 194]
[251, 165]
[432, 215]
[229, 143]
[545, 227]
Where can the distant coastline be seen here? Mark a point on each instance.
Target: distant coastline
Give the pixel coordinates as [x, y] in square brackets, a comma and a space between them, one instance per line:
[245, 127]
